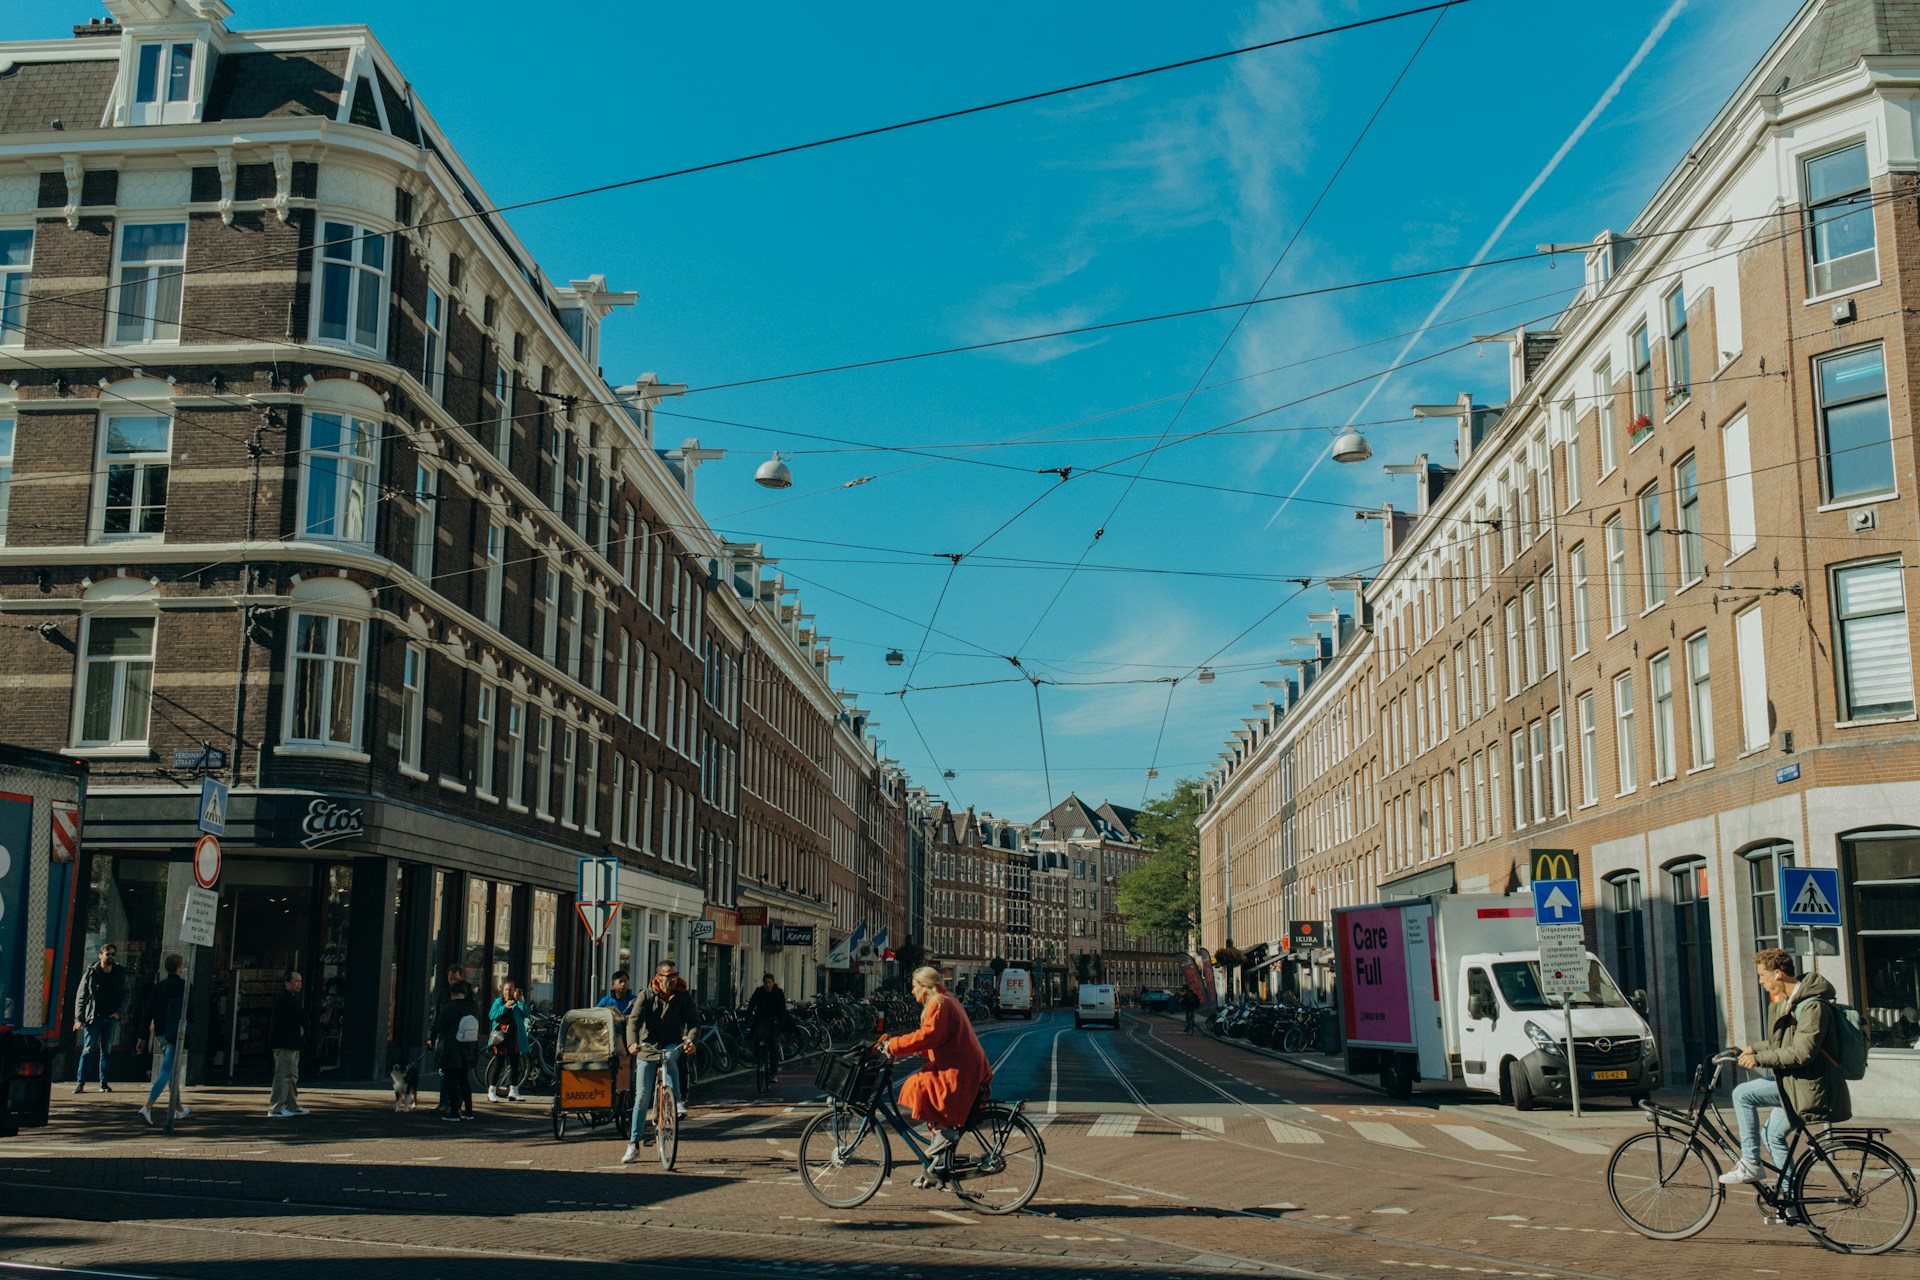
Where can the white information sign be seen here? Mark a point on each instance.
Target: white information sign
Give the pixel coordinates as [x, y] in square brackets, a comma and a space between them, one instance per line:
[197, 920]
[1563, 960]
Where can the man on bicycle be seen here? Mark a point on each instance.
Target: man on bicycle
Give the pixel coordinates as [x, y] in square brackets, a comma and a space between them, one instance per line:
[767, 1018]
[1798, 1048]
[943, 1093]
[1189, 1003]
[659, 1030]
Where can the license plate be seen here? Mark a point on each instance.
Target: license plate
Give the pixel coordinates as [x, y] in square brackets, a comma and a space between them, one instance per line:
[1609, 1075]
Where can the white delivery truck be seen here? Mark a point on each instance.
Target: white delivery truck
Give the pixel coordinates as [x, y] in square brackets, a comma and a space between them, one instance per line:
[1016, 993]
[1447, 987]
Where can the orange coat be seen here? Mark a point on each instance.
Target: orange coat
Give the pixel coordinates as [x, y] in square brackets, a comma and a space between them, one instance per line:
[943, 1092]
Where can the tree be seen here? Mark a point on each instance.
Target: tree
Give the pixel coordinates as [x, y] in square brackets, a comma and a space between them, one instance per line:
[909, 955]
[1162, 895]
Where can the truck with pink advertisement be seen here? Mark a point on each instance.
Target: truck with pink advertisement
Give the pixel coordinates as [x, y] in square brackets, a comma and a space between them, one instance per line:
[1447, 988]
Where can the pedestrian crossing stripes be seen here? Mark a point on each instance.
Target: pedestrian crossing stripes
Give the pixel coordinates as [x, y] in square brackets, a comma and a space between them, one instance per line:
[1215, 1124]
[1386, 1134]
[1579, 1146]
[1292, 1133]
[1114, 1127]
[1478, 1139]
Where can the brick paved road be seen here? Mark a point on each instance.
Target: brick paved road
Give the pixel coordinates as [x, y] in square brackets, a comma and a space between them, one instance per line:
[1167, 1155]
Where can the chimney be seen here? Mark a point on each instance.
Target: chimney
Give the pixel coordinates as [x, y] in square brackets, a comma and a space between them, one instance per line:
[96, 27]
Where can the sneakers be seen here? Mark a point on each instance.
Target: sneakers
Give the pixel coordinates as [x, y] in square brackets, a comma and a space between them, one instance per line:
[943, 1140]
[513, 1095]
[82, 1087]
[449, 1117]
[1743, 1172]
[281, 1113]
[680, 1110]
[298, 1110]
[146, 1113]
[105, 1087]
[632, 1153]
[493, 1095]
[183, 1112]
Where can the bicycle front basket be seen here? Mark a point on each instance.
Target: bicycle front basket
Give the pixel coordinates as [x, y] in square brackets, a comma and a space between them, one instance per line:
[848, 1077]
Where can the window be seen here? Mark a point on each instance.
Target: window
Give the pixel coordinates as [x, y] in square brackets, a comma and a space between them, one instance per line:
[484, 745]
[1550, 618]
[116, 681]
[1623, 729]
[1883, 871]
[550, 610]
[1517, 756]
[1530, 630]
[1557, 740]
[433, 347]
[1756, 711]
[1641, 349]
[1686, 496]
[145, 306]
[425, 499]
[1738, 460]
[1513, 648]
[1679, 361]
[569, 771]
[557, 477]
[543, 767]
[502, 411]
[1700, 700]
[1660, 678]
[576, 625]
[1856, 444]
[339, 475]
[1616, 575]
[495, 555]
[1870, 638]
[351, 266]
[1589, 753]
[1653, 554]
[1628, 917]
[16, 277]
[517, 754]
[1537, 773]
[1493, 669]
[136, 453]
[1462, 700]
[323, 708]
[1477, 704]
[413, 706]
[6, 472]
[1839, 220]
[1603, 400]
[1577, 580]
[1570, 432]
[1763, 898]
[163, 74]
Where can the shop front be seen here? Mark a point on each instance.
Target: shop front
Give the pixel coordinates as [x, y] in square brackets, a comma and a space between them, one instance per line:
[785, 936]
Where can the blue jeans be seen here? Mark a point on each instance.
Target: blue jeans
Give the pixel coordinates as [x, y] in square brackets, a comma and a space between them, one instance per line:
[96, 1038]
[643, 1086]
[1748, 1098]
[164, 1074]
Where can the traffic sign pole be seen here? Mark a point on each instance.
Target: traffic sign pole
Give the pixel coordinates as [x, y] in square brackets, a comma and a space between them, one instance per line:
[1573, 1075]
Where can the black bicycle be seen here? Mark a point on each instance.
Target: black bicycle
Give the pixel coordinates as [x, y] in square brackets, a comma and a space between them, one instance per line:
[996, 1165]
[1844, 1185]
[766, 1059]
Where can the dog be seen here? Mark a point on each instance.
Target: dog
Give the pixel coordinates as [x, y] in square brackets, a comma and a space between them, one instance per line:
[406, 1085]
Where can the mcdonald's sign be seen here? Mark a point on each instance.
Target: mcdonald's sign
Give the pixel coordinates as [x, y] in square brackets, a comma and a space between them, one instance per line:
[1554, 864]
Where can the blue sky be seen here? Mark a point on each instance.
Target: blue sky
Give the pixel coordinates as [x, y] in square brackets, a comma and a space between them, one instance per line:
[1161, 194]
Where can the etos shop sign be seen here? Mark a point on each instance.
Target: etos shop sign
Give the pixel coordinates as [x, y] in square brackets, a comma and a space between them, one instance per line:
[310, 822]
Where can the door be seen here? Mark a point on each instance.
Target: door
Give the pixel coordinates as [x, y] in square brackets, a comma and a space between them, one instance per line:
[1693, 964]
[1479, 1057]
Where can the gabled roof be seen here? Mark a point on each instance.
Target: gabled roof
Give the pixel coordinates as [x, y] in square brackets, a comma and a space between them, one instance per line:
[1121, 819]
[1842, 31]
[35, 94]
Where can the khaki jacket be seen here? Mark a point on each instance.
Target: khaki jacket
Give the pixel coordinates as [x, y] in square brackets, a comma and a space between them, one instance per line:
[1800, 1049]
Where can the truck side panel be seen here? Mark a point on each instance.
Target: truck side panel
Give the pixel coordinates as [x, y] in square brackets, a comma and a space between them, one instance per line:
[1375, 999]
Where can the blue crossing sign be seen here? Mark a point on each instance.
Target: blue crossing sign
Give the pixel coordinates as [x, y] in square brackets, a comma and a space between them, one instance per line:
[1556, 902]
[1809, 895]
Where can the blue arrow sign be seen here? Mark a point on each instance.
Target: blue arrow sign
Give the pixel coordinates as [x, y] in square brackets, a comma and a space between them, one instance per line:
[1809, 895]
[1556, 902]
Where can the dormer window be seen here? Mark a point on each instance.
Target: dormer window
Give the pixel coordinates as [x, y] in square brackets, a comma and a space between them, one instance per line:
[163, 83]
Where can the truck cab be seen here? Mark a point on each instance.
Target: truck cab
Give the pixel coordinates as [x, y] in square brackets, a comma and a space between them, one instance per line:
[1513, 1038]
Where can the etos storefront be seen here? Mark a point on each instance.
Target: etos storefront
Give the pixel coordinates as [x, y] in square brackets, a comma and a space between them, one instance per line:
[370, 900]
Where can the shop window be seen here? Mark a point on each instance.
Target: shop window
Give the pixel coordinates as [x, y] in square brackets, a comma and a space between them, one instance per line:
[150, 263]
[1883, 907]
[116, 682]
[542, 944]
[501, 968]
[136, 462]
[351, 277]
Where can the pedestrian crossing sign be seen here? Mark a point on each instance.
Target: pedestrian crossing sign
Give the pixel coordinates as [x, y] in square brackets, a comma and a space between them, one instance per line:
[1810, 895]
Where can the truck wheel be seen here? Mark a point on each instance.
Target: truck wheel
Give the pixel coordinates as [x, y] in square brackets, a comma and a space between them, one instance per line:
[1519, 1087]
[1396, 1078]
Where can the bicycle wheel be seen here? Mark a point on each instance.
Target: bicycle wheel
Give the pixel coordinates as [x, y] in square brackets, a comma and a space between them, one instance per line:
[843, 1158]
[1665, 1186]
[1867, 1208]
[997, 1174]
[559, 1121]
[666, 1130]
[1295, 1039]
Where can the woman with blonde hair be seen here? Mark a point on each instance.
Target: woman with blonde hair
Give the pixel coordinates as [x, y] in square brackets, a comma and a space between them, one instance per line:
[941, 1094]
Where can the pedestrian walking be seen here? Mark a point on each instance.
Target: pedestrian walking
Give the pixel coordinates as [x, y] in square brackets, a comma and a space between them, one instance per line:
[163, 1024]
[507, 1042]
[96, 1013]
[287, 1037]
[456, 1044]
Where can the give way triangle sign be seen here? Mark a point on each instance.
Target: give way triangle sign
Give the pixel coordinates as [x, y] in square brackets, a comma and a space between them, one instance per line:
[597, 916]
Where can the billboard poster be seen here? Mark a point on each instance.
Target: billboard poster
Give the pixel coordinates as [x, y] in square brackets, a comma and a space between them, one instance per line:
[1199, 981]
[1373, 973]
[16, 843]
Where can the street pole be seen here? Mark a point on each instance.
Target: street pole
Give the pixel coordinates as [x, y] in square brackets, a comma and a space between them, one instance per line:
[1226, 861]
[1573, 1073]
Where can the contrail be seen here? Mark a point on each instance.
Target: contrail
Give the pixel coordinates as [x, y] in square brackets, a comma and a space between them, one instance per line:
[1539, 180]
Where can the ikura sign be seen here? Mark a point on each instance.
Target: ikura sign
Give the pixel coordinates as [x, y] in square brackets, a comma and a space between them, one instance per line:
[1373, 964]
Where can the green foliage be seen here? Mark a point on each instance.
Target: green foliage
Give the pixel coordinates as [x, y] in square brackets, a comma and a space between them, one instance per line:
[909, 955]
[1163, 894]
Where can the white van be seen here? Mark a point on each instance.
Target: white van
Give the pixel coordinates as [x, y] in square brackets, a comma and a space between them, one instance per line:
[1096, 1005]
[1016, 993]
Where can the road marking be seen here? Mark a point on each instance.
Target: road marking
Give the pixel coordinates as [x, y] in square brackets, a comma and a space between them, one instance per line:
[1053, 1083]
[1283, 1132]
[951, 1217]
[1579, 1146]
[1114, 1127]
[1390, 1210]
[1478, 1139]
[1214, 1124]
[761, 1126]
[1375, 1131]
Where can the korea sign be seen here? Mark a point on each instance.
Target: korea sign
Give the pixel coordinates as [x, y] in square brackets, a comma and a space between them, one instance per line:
[1810, 895]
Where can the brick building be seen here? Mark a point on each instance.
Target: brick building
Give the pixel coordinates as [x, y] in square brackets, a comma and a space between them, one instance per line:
[1655, 612]
[1097, 847]
[310, 482]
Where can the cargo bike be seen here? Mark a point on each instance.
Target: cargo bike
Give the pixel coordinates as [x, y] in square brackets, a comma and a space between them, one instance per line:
[594, 1084]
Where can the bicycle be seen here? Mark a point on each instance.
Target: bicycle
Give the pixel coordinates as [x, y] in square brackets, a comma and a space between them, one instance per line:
[845, 1157]
[665, 1138]
[1850, 1190]
[766, 1060]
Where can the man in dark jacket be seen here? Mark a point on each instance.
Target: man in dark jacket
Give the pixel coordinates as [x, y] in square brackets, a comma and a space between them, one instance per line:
[287, 1036]
[96, 1013]
[1799, 1049]
[456, 1044]
[659, 1030]
[767, 1015]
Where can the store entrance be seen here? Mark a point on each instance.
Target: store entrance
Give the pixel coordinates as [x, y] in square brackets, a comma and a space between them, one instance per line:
[266, 927]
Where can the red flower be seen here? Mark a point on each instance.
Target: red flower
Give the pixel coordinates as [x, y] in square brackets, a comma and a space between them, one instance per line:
[1642, 422]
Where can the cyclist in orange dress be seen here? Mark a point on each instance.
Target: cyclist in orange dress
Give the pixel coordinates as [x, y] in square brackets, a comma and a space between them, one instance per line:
[941, 1094]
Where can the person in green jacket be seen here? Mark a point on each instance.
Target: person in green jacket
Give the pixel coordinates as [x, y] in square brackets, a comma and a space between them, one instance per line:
[1805, 1070]
[506, 1042]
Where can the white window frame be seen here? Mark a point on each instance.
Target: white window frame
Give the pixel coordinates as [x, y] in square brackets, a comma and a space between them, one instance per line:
[485, 710]
[1736, 455]
[1616, 546]
[350, 265]
[543, 762]
[426, 491]
[503, 410]
[1514, 661]
[1517, 762]
[1660, 698]
[590, 791]
[164, 289]
[1750, 650]
[1823, 409]
[413, 709]
[1686, 519]
[117, 670]
[1550, 621]
[1700, 698]
[171, 101]
[1589, 750]
[569, 772]
[1628, 777]
[329, 665]
[1891, 625]
[1640, 362]
[1673, 316]
[550, 592]
[493, 552]
[16, 286]
[1604, 418]
[1557, 746]
[1570, 429]
[147, 466]
[433, 345]
[1816, 267]
[1530, 631]
[517, 754]
[1653, 553]
[355, 474]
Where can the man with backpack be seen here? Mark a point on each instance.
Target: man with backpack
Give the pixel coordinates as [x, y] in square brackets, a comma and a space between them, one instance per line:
[456, 1043]
[1806, 1049]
